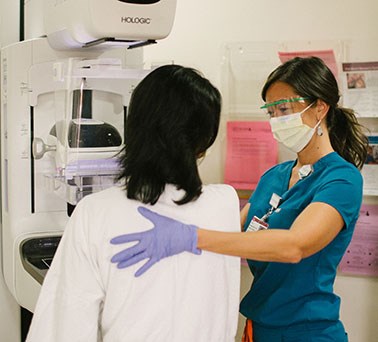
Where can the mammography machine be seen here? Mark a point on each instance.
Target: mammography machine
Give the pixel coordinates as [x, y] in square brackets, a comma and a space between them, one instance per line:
[64, 104]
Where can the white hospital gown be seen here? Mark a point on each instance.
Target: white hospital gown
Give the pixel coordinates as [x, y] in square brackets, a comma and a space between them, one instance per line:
[184, 298]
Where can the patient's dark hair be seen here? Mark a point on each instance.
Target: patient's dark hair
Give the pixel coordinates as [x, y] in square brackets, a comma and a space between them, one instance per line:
[173, 119]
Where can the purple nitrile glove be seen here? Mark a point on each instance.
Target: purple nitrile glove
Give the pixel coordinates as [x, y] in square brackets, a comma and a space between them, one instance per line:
[168, 237]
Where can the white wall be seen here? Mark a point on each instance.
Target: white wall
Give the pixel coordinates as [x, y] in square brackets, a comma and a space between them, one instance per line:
[9, 310]
[10, 324]
[203, 27]
[9, 28]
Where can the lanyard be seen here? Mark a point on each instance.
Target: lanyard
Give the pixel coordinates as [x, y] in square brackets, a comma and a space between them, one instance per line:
[260, 223]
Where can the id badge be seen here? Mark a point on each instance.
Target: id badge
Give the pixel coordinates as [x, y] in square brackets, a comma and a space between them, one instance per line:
[256, 224]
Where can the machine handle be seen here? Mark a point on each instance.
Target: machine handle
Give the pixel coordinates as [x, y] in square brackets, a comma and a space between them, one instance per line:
[39, 148]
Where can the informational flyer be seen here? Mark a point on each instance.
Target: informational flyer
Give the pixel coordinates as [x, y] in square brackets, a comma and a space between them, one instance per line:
[328, 57]
[361, 257]
[251, 150]
[360, 84]
[370, 169]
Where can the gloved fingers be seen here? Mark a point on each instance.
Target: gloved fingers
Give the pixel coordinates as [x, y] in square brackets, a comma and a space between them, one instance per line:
[128, 253]
[131, 260]
[145, 267]
[126, 238]
[151, 215]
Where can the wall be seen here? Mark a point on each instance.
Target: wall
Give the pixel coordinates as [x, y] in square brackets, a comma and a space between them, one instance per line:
[9, 310]
[9, 28]
[199, 34]
[200, 31]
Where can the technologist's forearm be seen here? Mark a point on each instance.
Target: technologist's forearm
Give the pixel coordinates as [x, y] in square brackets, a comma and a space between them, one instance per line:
[266, 245]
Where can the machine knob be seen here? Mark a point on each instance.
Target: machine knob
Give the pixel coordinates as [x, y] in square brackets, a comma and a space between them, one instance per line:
[39, 148]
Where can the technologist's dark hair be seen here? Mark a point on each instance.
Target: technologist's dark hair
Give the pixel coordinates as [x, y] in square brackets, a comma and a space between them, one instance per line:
[312, 79]
[173, 119]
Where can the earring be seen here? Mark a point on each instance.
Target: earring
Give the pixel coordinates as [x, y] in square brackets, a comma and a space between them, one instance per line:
[319, 131]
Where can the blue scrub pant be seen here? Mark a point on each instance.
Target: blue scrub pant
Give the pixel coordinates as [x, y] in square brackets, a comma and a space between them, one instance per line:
[312, 332]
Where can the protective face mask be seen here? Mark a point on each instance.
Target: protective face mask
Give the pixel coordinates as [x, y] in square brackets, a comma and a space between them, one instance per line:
[291, 131]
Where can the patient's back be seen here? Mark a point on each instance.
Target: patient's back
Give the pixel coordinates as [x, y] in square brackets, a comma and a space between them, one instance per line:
[185, 298]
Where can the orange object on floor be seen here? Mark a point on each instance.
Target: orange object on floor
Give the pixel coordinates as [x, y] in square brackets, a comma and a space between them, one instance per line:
[248, 332]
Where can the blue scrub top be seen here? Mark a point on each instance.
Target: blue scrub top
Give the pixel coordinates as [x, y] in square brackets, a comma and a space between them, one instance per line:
[283, 294]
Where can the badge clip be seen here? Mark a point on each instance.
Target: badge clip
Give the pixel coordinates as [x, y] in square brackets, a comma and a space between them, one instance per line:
[305, 171]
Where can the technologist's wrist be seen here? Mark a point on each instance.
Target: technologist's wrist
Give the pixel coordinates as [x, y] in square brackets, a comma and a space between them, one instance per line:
[194, 239]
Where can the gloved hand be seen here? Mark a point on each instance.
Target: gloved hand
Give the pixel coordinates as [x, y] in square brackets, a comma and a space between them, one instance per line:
[168, 237]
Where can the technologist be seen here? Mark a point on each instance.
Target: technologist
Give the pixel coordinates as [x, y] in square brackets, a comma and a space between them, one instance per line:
[300, 218]
[85, 298]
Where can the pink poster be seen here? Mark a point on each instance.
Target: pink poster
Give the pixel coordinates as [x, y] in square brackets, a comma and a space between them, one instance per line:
[361, 257]
[251, 150]
[328, 57]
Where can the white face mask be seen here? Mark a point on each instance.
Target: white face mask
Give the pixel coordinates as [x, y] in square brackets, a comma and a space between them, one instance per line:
[291, 131]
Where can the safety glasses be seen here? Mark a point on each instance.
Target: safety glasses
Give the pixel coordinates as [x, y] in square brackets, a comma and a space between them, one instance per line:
[283, 106]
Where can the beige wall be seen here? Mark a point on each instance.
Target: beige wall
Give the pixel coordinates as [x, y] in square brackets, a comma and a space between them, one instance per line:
[9, 310]
[203, 27]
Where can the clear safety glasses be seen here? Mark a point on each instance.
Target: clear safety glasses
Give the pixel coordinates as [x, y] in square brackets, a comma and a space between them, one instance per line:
[283, 106]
